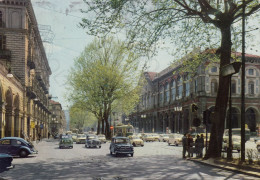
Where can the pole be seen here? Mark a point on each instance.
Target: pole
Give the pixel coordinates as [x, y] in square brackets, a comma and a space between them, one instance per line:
[229, 150]
[243, 88]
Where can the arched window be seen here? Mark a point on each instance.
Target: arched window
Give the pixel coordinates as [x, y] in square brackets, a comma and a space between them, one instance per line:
[251, 88]
[233, 87]
[167, 92]
[214, 86]
[173, 88]
[251, 72]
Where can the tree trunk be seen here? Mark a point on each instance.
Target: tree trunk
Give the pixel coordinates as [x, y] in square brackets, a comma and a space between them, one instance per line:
[219, 115]
[103, 125]
[98, 128]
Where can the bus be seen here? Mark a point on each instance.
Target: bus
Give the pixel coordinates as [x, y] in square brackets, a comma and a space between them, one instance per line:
[123, 130]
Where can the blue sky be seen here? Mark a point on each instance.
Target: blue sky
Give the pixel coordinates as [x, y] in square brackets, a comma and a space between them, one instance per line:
[63, 17]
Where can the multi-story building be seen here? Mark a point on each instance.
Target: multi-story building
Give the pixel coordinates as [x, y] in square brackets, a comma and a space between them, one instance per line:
[24, 97]
[58, 120]
[167, 97]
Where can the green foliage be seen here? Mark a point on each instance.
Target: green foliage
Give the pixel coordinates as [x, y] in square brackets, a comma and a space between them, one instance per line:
[184, 25]
[80, 118]
[104, 76]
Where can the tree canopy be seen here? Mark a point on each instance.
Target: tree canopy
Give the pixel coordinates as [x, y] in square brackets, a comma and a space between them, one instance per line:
[104, 77]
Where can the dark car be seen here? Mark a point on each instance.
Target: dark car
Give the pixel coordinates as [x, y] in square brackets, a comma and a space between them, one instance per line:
[16, 146]
[66, 142]
[92, 141]
[121, 145]
[5, 161]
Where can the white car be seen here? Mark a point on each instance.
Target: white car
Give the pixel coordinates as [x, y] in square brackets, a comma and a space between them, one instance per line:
[258, 145]
[175, 139]
[236, 143]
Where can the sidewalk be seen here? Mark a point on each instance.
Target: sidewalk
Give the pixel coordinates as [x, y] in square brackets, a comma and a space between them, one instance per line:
[243, 168]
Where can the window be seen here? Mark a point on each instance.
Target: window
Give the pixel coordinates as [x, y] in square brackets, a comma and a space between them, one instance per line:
[214, 69]
[251, 88]
[167, 92]
[161, 94]
[179, 88]
[2, 42]
[5, 142]
[1, 19]
[187, 89]
[251, 72]
[173, 90]
[196, 85]
[214, 86]
[233, 87]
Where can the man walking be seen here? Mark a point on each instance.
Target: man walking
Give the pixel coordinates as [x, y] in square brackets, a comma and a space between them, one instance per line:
[184, 145]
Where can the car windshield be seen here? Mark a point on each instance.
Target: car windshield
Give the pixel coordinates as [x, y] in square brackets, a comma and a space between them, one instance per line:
[122, 141]
[92, 137]
[101, 136]
[136, 137]
[81, 136]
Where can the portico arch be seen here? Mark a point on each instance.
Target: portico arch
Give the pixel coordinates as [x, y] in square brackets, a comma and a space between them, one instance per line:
[251, 117]
[17, 123]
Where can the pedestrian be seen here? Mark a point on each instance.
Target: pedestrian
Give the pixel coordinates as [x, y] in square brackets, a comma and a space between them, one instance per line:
[197, 146]
[184, 145]
[190, 146]
[39, 136]
[49, 134]
[201, 145]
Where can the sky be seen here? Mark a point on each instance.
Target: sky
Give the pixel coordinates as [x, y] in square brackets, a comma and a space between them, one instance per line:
[68, 40]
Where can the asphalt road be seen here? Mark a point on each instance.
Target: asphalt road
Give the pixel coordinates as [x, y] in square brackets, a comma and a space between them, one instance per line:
[156, 160]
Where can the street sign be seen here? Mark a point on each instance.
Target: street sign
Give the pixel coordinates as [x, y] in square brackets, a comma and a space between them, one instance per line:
[41, 126]
[230, 69]
[111, 127]
[32, 125]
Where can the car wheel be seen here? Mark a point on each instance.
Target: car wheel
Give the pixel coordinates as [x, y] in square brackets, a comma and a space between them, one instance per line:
[111, 153]
[258, 147]
[23, 153]
[99, 147]
[142, 145]
[134, 144]
[71, 147]
[169, 144]
[132, 155]
[116, 154]
[177, 144]
[238, 150]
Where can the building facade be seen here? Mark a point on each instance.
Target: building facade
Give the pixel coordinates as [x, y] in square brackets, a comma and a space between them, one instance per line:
[58, 123]
[167, 98]
[25, 95]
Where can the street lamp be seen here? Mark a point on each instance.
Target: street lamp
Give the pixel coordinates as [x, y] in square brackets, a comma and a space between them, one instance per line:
[229, 70]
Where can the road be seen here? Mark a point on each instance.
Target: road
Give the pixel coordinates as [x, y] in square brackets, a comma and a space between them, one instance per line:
[156, 160]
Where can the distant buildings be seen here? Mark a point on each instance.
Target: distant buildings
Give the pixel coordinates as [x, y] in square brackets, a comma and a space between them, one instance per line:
[58, 124]
[167, 98]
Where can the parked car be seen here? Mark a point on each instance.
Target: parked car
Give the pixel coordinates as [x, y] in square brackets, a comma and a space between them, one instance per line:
[236, 142]
[16, 146]
[258, 145]
[92, 141]
[121, 145]
[136, 141]
[155, 136]
[74, 137]
[150, 137]
[81, 139]
[66, 142]
[5, 161]
[102, 138]
[175, 139]
[237, 131]
[163, 137]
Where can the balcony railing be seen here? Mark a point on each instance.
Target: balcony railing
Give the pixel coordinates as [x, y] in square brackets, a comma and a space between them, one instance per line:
[5, 54]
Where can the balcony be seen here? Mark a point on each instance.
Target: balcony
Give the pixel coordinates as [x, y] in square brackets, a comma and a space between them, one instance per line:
[5, 54]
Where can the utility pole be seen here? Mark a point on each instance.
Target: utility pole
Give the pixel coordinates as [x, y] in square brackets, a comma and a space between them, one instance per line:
[243, 87]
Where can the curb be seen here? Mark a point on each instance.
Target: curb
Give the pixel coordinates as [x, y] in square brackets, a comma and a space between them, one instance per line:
[229, 168]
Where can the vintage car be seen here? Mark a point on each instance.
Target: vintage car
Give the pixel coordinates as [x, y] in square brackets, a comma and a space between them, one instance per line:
[81, 139]
[237, 132]
[175, 139]
[258, 145]
[150, 138]
[5, 162]
[136, 140]
[66, 142]
[163, 137]
[16, 146]
[92, 141]
[74, 137]
[121, 145]
[102, 138]
[236, 143]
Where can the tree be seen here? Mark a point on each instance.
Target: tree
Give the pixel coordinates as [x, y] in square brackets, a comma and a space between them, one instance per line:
[103, 77]
[149, 23]
[79, 119]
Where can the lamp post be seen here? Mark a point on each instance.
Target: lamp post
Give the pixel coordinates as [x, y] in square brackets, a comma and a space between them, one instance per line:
[229, 70]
